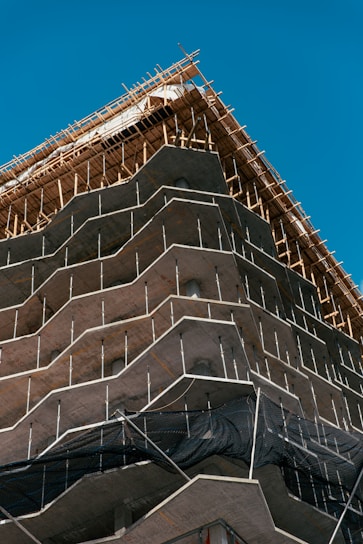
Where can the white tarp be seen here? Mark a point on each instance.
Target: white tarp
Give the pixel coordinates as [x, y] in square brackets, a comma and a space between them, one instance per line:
[109, 128]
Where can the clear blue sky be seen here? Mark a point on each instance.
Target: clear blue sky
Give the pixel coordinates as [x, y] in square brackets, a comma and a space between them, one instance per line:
[292, 69]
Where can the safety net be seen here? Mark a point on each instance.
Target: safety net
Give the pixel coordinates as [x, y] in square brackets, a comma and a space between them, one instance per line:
[320, 464]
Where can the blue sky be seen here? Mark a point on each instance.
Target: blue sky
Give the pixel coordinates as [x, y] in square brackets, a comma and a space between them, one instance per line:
[292, 70]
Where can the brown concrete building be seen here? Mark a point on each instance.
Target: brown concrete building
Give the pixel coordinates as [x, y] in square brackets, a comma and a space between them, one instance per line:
[181, 355]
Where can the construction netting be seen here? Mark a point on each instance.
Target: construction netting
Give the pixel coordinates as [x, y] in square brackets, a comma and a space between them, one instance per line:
[319, 463]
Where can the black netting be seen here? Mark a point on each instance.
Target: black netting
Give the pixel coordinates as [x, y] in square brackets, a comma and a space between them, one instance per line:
[320, 464]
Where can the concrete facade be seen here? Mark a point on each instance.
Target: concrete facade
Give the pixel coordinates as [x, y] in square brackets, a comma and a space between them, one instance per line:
[166, 292]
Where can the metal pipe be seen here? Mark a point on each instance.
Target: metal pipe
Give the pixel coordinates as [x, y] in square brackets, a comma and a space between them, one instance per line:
[346, 507]
[18, 524]
[163, 454]
[254, 434]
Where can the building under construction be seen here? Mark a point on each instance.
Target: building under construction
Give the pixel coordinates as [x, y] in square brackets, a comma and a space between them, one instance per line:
[180, 353]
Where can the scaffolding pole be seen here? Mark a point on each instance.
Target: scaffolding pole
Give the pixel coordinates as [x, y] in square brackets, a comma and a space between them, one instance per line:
[163, 454]
[346, 507]
[254, 434]
[19, 525]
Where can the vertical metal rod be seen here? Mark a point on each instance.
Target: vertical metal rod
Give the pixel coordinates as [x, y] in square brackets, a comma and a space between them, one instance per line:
[70, 286]
[67, 470]
[153, 329]
[15, 322]
[164, 236]
[287, 356]
[32, 280]
[254, 435]
[299, 349]
[102, 359]
[126, 348]
[209, 407]
[148, 385]
[248, 238]
[286, 382]
[70, 368]
[261, 334]
[313, 360]
[219, 236]
[137, 264]
[137, 193]
[30, 439]
[218, 284]
[267, 368]
[177, 277]
[235, 365]
[335, 411]
[247, 286]
[28, 394]
[101, 444]
[238, 294]
[103, 311]
[43, 245]
[146, 299]
[43, 487]
[101, 275]
[44, 307]
[131, 224]
[222, 356]
[100, 204]
[301, 297]
[236, 173]
[58, 420]
[199, 232]
[99, 245]
[193, 119]
[123, 441]
[277, 344]
[233, 240]
[283, 416]
[182, 353]
[38, 352]
[262, 291]
[172, 312]
[107, 402]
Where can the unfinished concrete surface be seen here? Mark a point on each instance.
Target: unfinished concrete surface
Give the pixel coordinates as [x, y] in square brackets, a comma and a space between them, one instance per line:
[156, 262]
